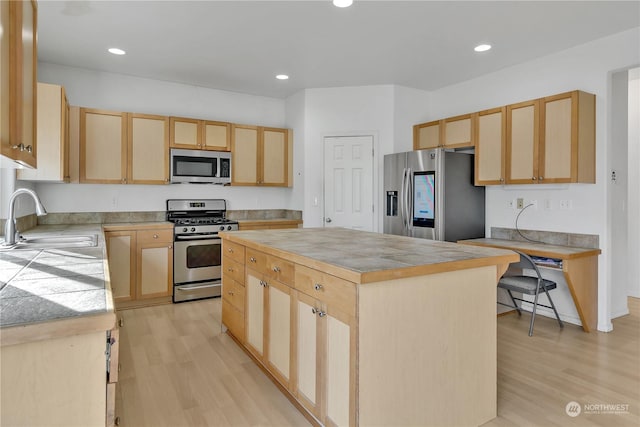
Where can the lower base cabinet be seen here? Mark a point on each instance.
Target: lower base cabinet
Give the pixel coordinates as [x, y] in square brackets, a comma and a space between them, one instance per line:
[140, 264]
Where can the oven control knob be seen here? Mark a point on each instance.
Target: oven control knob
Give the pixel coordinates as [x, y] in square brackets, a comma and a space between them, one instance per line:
[193, 229]
[184, 230]
[228, 227]
[222, 228]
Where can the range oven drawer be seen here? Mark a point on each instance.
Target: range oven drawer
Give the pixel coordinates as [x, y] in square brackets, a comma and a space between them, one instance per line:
[197, 291]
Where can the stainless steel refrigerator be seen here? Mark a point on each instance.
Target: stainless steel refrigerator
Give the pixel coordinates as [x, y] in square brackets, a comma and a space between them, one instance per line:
[430, 194]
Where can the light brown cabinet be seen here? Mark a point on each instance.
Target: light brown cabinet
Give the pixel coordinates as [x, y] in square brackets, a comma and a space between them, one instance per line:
[427, 135]
[194, 134]
[140, 264]
[18, 81]
[490, 137]
[261, 156]
[52, 135]
[121, 148]
[551, 140]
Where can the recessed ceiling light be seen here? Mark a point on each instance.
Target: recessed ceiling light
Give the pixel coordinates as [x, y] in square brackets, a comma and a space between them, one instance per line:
[282, 77]
[116, 51]
[482, 47]
[342, 3]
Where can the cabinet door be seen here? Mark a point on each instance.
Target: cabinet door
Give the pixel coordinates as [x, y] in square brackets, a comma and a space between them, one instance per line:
[254, 314]
[458, 131]
[155, 270]
[185, 133]
[274, 155]
[103, 147]
[308, 343]
[427, 135]
[278, 331]
[216, 136]
[340, 375]
[490, 147]
[522, 143]
[52, 136]
[121, 253]
[558, 139]
[19, 83]
[148, 149]
[244, 149]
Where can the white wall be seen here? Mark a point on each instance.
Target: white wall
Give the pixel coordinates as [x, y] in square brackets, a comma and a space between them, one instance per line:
[633, 288]
[118, 92]
[587, 67]
[411, 106]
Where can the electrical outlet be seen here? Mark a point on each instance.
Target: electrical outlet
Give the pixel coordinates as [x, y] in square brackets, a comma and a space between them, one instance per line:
[520, 203]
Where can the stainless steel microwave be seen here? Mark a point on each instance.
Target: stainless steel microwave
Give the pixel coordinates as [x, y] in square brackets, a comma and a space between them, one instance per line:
[200, 167]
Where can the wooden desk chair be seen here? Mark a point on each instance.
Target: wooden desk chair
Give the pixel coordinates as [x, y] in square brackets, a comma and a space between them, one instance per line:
[528, 285]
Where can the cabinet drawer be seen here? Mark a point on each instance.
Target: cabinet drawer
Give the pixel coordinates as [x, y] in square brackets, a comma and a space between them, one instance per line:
[146, 236]
[233, 319]
[233, 269]
[271, 266]
[335, 292]
[233, 292]
[233, 251]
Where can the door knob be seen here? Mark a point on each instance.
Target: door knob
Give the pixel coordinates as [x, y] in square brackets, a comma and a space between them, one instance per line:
[328, 220]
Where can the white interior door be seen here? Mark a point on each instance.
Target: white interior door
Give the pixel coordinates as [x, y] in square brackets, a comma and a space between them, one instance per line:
[348, 182]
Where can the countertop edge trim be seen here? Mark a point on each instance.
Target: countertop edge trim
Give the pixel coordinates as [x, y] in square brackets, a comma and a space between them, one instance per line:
[584, 252]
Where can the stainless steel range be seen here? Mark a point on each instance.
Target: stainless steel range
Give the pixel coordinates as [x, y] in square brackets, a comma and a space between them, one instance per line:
[197, 253]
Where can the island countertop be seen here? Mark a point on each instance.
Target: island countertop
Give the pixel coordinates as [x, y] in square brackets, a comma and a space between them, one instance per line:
[54, 292]
[366, 257]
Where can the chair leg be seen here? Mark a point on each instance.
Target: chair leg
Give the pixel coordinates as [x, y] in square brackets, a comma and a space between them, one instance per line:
[533, 312]
[554, 307]
[515, 304]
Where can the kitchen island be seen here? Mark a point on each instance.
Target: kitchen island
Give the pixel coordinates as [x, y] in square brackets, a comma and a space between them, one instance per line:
[367, 329]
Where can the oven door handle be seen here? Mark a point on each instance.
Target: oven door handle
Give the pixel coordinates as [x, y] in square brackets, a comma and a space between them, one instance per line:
[200, 237]
[190, 288]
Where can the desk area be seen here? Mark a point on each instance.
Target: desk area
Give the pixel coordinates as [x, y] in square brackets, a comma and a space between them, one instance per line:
[579, 267]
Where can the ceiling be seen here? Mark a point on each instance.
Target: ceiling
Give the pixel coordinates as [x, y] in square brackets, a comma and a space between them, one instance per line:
[241, 45]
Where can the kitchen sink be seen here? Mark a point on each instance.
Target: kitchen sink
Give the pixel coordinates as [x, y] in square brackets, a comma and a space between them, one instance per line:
[55, 242]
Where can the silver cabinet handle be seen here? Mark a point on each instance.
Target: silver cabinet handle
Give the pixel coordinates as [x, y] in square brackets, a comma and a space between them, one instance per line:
[328, 220]
[313, 310]
[121, 322]
[170, 247]
[230, 250]
[155, 236]
[318, 287]
[252, 259]
[21, 147]
[322, 313]
[276, 269]
[540, 178]
[533, 178]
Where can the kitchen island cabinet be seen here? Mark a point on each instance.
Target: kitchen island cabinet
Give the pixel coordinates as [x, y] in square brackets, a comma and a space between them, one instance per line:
[385, 330]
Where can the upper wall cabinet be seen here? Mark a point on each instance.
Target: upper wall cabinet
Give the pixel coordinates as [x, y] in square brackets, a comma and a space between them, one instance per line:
[121, 148]
[196, 134]
[261, 156]
[18, 81]
[458, 131]
[427, 135]
[551, 140]
[490, 134]
[53, 136]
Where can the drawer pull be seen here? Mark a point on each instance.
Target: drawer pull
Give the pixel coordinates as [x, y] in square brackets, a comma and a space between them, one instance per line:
[313, 310]
[230, 293]
[318, 287]
[117, 421]
[121, 322]
[155, 236]
[230, 270]
[322, 313]
[230, 250]
[252, 259]
[276, 269]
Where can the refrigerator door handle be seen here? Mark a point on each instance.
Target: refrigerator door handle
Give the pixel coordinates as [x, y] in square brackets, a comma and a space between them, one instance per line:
[402, 198]
[407, 202]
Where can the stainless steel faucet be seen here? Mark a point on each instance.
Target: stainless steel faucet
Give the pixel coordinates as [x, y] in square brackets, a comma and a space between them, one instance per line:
[10, 231]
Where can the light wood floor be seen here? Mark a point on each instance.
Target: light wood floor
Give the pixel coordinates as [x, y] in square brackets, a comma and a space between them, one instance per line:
[178, 369]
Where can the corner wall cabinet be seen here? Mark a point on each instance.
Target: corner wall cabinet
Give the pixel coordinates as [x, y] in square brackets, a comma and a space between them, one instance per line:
[123, 148]
[261, 156]
[427, 135]
[194, 134]
[18, 81]
[140, 263]
[52, 135]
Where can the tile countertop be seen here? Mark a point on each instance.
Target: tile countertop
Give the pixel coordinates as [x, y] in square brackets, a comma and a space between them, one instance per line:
[364, 257]
[54, 292]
